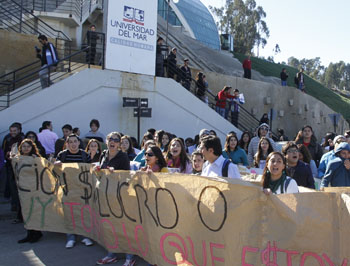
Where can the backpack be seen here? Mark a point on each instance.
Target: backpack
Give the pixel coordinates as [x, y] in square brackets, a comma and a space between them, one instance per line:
[224, 170]
[286, 184]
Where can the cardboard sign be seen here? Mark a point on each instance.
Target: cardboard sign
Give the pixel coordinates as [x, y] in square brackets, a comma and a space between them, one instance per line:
[175, 219]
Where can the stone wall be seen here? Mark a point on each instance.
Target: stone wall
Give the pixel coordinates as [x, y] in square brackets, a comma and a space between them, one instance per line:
[293, 108]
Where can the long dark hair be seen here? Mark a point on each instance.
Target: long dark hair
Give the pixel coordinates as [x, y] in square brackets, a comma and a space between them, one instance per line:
[183, 156]
[131, 148]
[259, 155]
[99, 149]
[227, 142]
[266, 176]
[241, 142]
[305, 152]
[158, 137]
[33, 151]
[159, 155]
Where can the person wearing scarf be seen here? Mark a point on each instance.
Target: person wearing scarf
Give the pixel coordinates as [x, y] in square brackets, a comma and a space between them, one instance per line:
[275, 179]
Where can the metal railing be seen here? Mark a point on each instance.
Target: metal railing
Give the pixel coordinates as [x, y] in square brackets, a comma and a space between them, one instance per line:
[80, 9]
[25, 80]
[246, 120]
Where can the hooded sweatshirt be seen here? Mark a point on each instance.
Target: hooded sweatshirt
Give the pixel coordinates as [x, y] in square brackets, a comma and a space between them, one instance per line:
[336, 174]
[254, 144]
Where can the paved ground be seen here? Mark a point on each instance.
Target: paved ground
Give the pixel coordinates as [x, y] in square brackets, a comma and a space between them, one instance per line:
[50, 250]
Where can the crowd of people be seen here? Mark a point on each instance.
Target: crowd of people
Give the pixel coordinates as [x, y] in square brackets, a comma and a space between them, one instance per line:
[302, 162]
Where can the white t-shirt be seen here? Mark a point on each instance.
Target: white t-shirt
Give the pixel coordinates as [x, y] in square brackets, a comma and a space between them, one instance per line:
[215, 169]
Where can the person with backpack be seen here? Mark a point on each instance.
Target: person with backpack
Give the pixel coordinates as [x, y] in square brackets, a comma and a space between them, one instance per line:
[216, 165]
[274, 178]
[48, 58]
[73, 154]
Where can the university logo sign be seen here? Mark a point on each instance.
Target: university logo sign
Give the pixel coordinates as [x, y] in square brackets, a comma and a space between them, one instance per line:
[132, 14]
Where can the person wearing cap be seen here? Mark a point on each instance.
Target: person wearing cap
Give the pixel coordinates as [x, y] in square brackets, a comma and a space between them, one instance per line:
[329, 156]
[203, 133]
[262, 131]
[338, 170]
[185, 75]
[171, 63]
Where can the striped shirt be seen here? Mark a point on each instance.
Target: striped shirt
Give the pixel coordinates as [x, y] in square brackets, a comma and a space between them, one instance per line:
[80, 157]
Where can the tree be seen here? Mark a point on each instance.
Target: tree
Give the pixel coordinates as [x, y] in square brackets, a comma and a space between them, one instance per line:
[277, 49]
[244, 20]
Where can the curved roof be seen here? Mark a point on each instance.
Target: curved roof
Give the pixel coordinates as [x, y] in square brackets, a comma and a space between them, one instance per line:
[200, 21]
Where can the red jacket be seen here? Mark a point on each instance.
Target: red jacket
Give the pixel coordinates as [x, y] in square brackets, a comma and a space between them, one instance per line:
[247, 64]
[222, 99]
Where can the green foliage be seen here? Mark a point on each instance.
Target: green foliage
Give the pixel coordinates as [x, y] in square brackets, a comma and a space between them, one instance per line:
[244, 20]
[314, 88]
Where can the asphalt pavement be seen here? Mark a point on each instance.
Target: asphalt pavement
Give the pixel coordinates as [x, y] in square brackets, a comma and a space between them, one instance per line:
[49, 250]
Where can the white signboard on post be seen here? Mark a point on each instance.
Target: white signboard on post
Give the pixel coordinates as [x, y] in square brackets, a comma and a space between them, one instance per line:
[131, 36]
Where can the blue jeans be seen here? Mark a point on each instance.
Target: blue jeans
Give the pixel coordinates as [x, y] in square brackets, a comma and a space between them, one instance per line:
[221, 111]
[301, 86]
[283, 83]
[70, 237]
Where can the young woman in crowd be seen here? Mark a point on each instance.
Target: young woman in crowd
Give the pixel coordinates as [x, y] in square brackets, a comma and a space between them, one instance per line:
[327, 144]
[146, 137]
[244, 141]
[233, 152]
[155, 161]
[309, 140]
[158, 135]
[197, 162]
[114, 159]
[141, 156]
[34, 137]
[305, 156]
[176, 156]
[264, 149]
[265, 119]
[93, 148]
[126, 146]
[274, 178]
[166, 138]
[28, 148]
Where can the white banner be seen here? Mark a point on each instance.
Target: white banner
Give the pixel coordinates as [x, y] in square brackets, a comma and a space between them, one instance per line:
[131, 36]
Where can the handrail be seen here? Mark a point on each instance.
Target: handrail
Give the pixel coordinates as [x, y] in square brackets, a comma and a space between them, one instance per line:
[250, 120]
[48, 66]
[41, 21]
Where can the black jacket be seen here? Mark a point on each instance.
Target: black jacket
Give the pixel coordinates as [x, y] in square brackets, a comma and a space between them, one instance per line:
[302, 175]
[119, 162]
[315, 149]
[284, 76]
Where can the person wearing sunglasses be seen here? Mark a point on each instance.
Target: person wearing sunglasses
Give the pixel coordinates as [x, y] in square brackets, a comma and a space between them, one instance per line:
[114, 159]
[155, 161]
[262, 131]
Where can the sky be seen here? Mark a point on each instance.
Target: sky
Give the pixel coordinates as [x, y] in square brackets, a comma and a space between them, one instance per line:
[305, 29]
